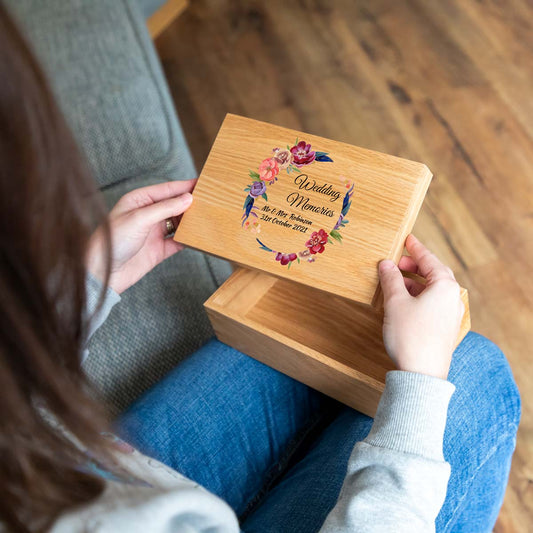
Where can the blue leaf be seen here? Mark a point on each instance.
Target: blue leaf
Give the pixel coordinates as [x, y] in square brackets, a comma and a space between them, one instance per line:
[262, 246]
[248, 203]
[345, 202]
[346, 208]
[323, 158]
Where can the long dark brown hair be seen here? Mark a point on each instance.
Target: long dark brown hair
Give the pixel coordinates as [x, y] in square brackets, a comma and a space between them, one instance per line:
[48, 209]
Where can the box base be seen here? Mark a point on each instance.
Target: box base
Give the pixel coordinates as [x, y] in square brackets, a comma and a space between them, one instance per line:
[329, 343]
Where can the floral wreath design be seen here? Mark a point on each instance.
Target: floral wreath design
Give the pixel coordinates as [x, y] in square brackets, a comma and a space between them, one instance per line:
[292, 159]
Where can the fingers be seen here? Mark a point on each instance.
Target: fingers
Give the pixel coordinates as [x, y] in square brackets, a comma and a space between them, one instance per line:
[170, 247]
[407, 264]
[152, 194]
[160, 211]
[429, 266]
[392, 282]
[413, 287]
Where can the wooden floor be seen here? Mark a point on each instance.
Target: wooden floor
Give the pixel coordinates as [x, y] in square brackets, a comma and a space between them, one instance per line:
[447, 82]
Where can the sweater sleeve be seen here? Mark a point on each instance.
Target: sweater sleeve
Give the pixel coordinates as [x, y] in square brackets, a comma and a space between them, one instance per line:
[397, 477]
[96, 317]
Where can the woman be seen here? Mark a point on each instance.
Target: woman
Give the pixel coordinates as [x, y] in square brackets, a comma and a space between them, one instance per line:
[267, 448]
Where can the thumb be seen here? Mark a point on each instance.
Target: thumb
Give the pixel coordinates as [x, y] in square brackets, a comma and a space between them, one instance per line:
[391, 280]
[171, 207]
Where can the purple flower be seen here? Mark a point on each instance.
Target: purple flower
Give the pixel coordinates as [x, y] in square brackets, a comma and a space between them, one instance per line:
[302, 154]
[257, 189]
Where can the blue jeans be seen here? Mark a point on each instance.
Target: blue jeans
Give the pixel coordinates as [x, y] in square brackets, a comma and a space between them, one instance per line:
[276, 450]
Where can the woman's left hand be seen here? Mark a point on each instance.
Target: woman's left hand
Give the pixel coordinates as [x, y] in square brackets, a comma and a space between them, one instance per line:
[139, 234]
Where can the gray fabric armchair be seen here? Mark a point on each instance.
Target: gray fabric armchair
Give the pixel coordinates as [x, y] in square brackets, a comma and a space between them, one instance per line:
[106, 75]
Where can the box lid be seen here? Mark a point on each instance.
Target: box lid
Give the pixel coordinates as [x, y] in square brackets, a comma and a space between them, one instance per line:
[309, 209]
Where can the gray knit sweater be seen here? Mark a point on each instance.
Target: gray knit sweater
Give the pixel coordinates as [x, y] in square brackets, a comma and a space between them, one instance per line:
[395, 481]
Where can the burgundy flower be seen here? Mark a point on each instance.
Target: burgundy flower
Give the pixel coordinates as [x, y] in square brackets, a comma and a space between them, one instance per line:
[257, 189]
[302, 154]
[317, 241]
[285, 259]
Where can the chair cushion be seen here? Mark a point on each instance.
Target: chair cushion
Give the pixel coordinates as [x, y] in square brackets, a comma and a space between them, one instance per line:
[108, 80]
[149, 7]
[158, 323]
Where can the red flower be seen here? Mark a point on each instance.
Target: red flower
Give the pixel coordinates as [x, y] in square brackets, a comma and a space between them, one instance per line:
[268, 169]
[285, 259]
[302, 154]
[317, 241]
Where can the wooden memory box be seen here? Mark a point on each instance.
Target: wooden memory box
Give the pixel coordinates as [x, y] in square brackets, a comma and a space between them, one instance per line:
[308, 220]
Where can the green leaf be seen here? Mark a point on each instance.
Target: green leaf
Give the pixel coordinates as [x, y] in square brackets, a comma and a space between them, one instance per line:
[264, 196]
[289, 265]
[296, 169]
[336, 235]
[254, 174]
[288, 147]
[296, 141]
[298, 259]
[330, 241]
[247, 188]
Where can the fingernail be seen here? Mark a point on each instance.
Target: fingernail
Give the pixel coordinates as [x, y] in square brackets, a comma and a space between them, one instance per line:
[118, 443]
[386, 264]
[186, 198]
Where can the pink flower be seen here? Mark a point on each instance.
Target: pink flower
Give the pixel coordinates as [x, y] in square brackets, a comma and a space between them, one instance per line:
[317, 241]
[302, 154]
[285, 259]
[268, 169]
[283, 157]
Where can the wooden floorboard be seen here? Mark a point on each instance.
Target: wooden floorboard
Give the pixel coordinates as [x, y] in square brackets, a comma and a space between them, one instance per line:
[449, 83]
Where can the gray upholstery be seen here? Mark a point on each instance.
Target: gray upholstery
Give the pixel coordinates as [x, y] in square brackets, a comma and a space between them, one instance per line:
[108, 81]
[159, 321]
[149, 7]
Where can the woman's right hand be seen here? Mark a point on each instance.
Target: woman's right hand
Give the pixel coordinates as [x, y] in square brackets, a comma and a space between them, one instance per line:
[421, 322]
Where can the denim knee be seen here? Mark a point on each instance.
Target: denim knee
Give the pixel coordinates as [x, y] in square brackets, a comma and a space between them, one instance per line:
[480, 435]
[479, 368]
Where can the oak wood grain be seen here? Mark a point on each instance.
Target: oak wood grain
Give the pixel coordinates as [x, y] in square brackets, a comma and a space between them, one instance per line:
[332, 344]
[159, 21]
[387, 193]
